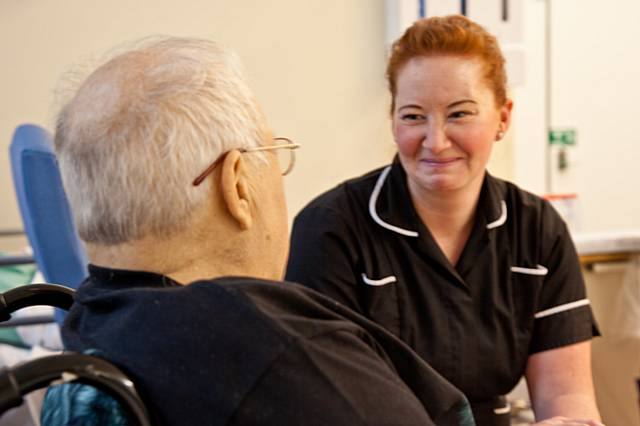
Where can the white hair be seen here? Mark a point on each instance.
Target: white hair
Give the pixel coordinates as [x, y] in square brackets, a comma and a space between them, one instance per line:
[142, 127]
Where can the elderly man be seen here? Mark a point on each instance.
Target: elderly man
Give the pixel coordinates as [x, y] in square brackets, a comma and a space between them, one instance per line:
[175, 184]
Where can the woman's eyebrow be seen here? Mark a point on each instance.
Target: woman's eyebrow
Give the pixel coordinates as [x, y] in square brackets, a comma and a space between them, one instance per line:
[409, 106]
[451, 105]
[463, 101]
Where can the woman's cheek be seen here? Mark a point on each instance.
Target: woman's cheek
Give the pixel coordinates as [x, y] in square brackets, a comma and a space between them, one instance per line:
[407, 141]
[477, 141]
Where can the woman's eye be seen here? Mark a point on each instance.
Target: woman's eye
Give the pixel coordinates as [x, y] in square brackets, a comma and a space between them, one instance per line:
[459, 114]
[412, 117]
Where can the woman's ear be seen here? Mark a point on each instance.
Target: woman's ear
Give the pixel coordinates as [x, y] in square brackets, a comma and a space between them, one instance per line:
[235, 189]
[505, 115]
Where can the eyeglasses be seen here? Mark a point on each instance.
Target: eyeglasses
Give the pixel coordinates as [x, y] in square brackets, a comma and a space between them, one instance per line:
[284, 150]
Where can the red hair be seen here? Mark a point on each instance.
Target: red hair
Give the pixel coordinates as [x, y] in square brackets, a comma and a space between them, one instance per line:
[450, 35]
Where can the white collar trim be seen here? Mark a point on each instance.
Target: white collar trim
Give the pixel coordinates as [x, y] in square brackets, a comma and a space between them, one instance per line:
[374, 214]
[372, 207]
[502, 219]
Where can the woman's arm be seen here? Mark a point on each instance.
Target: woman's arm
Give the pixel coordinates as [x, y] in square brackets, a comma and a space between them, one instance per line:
[560, 382]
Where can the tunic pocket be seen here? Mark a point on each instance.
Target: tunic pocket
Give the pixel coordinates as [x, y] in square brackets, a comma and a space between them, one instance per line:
[527, 284]
[526, 287]
[381, 301]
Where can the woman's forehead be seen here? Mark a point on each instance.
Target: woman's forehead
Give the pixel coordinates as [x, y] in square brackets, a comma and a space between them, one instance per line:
[426, 68]
[440, 78]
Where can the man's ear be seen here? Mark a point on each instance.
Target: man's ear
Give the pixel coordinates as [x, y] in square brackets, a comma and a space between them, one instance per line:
[235, 189]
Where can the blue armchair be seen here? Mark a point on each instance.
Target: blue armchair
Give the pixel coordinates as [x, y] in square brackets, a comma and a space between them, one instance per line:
[45, 211]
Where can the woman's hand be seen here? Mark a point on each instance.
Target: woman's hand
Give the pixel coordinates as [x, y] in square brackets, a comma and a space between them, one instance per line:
[565, 421]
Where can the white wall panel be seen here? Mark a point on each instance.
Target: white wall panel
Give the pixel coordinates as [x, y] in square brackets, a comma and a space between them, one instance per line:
[595, 90]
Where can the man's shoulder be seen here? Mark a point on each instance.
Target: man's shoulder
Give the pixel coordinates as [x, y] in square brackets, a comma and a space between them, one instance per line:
[295, 310]
[283, 308]
[210, 331]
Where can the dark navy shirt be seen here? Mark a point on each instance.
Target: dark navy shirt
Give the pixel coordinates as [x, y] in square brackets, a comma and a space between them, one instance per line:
[517, 288]
[243, 351]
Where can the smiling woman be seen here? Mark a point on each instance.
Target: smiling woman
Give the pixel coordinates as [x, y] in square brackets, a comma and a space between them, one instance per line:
[478, 276]
[445, 123]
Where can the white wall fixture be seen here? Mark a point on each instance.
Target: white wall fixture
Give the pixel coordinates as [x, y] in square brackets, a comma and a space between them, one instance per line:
[400, 14]
[503, 18]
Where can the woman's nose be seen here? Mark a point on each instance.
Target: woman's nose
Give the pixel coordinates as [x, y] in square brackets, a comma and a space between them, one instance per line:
[435, 138]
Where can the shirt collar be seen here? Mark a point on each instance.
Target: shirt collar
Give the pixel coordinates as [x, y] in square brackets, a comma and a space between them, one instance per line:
[116, 278]
[390, 204]
[492, 207]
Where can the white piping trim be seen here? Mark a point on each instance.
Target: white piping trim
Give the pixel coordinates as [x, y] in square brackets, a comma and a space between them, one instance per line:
[562, 308]
[503, 410]
[381, 281]
[502, 219]
[372, 206]
[538, 270]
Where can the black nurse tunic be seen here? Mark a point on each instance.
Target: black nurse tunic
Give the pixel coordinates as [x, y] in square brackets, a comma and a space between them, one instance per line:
[517, 288]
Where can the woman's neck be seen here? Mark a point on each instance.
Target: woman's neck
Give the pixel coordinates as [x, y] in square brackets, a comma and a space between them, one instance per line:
[449, 215]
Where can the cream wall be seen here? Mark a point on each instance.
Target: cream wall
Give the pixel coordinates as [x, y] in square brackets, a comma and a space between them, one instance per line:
[316, 66]
[596, 87]
[529, 108]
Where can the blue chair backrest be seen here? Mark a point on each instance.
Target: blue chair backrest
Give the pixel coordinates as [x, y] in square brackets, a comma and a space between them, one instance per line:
[44, 207]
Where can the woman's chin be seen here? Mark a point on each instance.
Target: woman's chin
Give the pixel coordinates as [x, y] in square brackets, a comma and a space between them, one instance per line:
[436, 186]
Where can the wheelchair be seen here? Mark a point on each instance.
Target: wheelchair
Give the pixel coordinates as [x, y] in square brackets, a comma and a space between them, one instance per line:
[64, 368]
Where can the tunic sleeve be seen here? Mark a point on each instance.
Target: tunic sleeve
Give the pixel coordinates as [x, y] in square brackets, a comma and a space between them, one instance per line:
[324, 255]
[563, 315]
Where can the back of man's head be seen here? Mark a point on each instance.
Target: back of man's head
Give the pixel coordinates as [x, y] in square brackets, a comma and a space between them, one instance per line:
[141, 127]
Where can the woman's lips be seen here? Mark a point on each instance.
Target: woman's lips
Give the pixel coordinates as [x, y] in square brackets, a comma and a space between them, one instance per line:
[440, 162]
